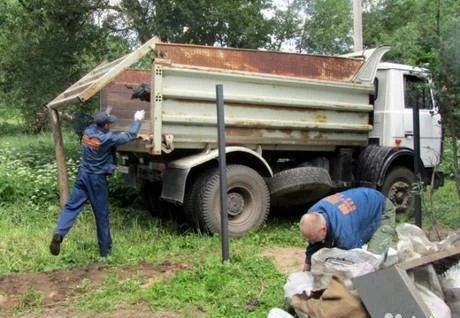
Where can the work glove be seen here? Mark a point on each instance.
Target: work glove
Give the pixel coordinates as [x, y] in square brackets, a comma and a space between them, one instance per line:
[139, 115]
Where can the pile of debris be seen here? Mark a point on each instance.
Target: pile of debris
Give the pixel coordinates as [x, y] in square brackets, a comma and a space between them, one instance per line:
[419, 278]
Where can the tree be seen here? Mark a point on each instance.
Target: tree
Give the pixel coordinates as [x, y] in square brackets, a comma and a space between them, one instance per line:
[327, 28]
[45, 45]
[236, 23]
[424, 33]
[287, 25]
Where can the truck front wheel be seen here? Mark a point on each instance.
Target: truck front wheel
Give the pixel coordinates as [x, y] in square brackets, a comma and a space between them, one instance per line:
[398, 188]
[248, 201]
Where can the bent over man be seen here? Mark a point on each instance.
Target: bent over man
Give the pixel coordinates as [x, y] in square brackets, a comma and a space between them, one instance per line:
[347, 220]
[97, 162]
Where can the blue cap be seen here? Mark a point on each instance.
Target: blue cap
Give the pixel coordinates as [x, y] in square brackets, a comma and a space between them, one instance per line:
[104, 118]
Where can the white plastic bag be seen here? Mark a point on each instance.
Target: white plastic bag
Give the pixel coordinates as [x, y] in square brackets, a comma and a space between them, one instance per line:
[279, 313]
[345, 264]
[420, 244]
[298, 283]
[450, 282]
[438, 308]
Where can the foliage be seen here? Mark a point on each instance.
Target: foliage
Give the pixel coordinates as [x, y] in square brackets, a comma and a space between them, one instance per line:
[44, 46]
[288, 24]
[237, 23]
[28, 170]
[446, 165]
[425, 33]
[212, 288]
[31, 298]
[327, 27]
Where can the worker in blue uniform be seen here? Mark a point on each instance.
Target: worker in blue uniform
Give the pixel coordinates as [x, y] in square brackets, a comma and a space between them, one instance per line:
[347, 220]
[97, 162]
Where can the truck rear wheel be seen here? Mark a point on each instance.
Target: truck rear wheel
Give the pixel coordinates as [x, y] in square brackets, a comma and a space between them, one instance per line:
[248, 200]
[150, 192]
[398, 188]
[299, 186]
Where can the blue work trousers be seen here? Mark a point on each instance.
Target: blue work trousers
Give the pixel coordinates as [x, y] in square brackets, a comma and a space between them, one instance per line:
[92, 187]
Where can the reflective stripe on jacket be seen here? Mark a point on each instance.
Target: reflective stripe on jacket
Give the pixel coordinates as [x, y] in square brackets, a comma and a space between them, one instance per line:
[98, 153]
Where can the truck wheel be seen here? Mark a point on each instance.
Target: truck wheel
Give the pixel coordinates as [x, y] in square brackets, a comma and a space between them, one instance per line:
[299, 186]
[248, 201]
[397, 187]
[151, 192]
[191, 200]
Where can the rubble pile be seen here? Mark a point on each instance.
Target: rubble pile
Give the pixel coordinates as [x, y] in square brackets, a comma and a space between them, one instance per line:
[328, 291]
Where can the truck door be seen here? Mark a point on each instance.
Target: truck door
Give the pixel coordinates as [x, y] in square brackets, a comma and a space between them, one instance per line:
[417, 90]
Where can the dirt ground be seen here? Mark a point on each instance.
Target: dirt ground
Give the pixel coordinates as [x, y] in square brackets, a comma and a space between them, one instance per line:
[287, 260]
[60, 287]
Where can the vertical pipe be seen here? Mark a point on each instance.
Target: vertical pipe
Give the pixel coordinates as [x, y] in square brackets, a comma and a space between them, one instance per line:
[416, 126]
[63, 180]
[222, 171]
[357, 25]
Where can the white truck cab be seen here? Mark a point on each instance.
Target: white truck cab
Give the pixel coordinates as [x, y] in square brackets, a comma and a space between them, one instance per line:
[399, 87]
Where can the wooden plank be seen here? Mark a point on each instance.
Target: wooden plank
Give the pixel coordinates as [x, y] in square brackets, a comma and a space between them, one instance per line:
[63, 180]
[63, 101]
[451, 252]
[77, 89]
[106, 64]
[117, 69]
[107, 72]
[83, 79]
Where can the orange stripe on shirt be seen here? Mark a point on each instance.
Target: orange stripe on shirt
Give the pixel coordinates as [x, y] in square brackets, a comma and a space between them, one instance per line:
[92, 142]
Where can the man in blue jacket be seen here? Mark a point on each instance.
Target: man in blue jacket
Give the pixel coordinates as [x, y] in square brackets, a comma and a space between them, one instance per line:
[97, 162]
[347, 220]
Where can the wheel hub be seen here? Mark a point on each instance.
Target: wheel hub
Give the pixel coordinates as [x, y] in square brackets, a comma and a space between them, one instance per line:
[399, 194]
[235, 203]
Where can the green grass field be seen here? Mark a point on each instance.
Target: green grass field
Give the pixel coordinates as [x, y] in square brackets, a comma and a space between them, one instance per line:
[247, 286]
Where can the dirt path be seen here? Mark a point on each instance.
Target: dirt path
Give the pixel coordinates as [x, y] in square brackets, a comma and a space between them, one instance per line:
[63, 286]
[59, 287]
[287, 259]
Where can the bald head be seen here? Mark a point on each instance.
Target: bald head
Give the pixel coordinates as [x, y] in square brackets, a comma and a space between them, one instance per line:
[313, 227]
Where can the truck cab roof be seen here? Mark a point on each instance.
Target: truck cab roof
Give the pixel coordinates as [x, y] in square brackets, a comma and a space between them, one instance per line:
[402, 67]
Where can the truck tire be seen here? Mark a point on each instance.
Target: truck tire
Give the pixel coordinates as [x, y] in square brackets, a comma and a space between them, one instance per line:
[150, 192]
[191, 200]
[299, 186]
[397, 187]
[248, 200]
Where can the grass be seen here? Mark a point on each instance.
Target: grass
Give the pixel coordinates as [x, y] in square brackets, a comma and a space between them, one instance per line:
[246, 286]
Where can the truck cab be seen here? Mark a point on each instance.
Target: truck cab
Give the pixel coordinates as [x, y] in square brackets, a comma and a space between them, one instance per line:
[398, 88]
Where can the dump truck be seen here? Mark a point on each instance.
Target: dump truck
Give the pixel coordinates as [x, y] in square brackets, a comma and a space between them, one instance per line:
[297, 127]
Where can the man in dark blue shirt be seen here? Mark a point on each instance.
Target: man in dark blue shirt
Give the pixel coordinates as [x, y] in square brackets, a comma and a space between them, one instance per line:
[347, 220]
[97, 161]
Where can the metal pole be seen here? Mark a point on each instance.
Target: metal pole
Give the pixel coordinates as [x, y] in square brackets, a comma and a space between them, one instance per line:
[222, 171]
[416, 126]
[357, 25]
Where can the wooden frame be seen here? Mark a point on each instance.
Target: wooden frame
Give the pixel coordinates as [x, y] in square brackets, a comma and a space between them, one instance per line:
[81, 91]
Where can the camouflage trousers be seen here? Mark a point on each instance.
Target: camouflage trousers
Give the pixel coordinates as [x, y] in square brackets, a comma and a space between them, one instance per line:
[381, 240]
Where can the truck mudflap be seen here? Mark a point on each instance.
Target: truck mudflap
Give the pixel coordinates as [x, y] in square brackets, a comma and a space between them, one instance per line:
[175, 176]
